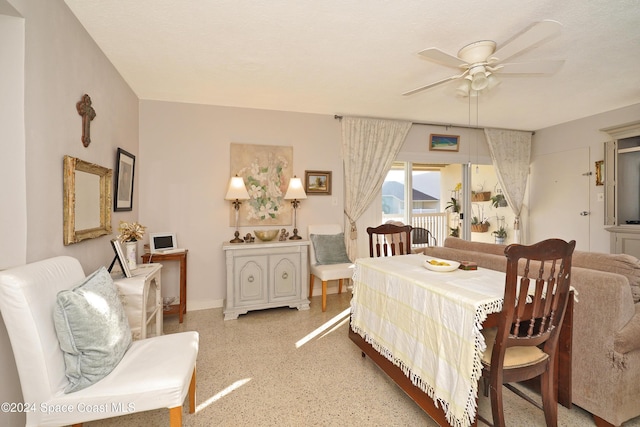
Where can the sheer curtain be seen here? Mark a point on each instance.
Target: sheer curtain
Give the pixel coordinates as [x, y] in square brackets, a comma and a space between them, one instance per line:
[511, 152]
[369, 147]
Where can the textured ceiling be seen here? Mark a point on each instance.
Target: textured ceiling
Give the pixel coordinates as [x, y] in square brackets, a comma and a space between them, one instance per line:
[357, 57]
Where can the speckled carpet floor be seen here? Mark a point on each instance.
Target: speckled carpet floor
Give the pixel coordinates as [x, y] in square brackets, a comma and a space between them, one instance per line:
[284, 367]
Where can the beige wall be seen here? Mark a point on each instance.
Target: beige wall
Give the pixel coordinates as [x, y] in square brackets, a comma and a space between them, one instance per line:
[582, 133]
[184, 153]
[182, 164]
[61, 63]
[13, 215]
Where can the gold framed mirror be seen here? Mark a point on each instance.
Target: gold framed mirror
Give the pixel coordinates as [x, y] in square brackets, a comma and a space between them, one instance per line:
[87, 200]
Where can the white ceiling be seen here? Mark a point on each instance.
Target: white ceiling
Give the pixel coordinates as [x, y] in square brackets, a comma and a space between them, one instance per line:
[356, 57]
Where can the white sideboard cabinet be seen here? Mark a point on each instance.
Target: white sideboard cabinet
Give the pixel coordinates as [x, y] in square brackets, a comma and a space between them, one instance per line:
[265, 275]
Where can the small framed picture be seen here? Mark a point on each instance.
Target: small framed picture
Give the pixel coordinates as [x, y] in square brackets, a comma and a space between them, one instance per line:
[444, 142]
[600, 172]
[317, 182]
[125, 168]
[120, 257]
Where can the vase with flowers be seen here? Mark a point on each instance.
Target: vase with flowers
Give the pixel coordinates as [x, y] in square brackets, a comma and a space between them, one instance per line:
[130, 233]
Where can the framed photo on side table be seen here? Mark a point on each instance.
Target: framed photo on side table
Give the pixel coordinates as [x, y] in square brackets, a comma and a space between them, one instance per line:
[317, 182]
[120, 257]
[125, 168]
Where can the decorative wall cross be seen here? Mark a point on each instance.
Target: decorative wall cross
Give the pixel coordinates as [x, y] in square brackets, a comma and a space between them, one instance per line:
[88, 113]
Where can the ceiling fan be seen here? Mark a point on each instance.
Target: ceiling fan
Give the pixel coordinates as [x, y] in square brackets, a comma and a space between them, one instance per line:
[480, 61]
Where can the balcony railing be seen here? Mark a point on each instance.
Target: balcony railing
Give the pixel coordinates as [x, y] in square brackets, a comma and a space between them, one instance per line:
[436, 222]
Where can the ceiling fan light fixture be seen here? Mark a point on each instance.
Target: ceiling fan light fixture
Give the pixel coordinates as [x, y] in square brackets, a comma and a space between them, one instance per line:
[480, 81]
[493, 81]
[464, 88]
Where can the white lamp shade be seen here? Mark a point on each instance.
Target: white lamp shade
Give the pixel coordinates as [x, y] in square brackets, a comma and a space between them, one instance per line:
[479, 81]
[295, 190]
[237, 189]
[463, 89]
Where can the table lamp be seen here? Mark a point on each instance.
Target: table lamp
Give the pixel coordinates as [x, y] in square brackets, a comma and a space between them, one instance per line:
[236, 192]
[295, 193]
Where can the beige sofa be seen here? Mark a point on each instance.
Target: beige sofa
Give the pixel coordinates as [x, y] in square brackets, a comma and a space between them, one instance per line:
[606, 328]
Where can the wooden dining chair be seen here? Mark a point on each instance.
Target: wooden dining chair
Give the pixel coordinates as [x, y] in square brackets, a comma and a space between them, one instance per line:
[389, 240]
[524, 344]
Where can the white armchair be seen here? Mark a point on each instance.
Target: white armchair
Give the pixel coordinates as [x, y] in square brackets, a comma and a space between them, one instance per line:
[326, 272]
[154, 373]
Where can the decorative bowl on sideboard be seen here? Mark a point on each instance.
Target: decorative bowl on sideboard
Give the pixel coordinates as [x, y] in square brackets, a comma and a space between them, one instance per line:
[266, 235]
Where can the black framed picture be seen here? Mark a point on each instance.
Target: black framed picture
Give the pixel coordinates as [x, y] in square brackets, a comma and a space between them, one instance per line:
[125, 168]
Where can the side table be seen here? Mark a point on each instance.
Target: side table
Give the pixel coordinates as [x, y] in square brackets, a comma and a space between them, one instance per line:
[135, 292]
[181, 307]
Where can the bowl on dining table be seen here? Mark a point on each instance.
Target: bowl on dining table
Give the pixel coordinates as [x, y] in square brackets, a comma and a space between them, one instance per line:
[442, 265]
[266, 235]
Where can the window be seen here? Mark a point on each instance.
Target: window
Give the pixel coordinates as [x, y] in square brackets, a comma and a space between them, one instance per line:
[419, 206]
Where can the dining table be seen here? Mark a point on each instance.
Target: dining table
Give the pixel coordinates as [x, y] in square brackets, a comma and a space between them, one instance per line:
[423, 328]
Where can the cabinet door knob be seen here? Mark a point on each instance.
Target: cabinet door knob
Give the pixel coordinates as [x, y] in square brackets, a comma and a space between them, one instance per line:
[250, 279]
[584, 213]
[285, 275]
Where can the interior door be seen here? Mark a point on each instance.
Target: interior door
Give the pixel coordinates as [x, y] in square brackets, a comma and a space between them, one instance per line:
[559, 197]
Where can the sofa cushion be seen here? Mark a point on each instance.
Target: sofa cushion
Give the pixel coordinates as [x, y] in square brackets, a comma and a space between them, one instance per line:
[487, 248]
[329, 248]
[623, 264]
[626, 265]
[92, 328]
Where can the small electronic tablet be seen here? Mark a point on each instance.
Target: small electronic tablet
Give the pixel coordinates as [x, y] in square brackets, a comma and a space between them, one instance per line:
[162, 242]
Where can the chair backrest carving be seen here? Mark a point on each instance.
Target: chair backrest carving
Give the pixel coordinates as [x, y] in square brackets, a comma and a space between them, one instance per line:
[536, 294]
[389, 240]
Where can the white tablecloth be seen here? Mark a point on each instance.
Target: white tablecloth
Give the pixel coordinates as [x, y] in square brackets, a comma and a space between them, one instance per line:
[428, 323]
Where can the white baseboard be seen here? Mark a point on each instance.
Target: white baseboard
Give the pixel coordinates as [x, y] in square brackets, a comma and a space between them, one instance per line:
[204, 305]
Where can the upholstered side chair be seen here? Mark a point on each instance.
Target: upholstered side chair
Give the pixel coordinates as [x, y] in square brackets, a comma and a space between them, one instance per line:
[335, 266]
[157, 372]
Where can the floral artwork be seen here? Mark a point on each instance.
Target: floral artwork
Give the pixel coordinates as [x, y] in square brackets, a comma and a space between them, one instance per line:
[266, 170]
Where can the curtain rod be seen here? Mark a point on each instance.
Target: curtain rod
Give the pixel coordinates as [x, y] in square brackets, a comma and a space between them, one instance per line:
[338, 117]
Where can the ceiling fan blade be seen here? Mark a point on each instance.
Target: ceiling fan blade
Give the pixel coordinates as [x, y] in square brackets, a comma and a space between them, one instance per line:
[441, 57]
[530, 37]
[429, 86]
[537, 67]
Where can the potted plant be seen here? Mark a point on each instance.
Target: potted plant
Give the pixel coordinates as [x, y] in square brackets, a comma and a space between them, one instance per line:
[479, 223]
[500, 234]
[481, 195]
[130, 233]
[453, 205]
[498, 201]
